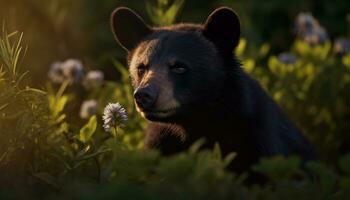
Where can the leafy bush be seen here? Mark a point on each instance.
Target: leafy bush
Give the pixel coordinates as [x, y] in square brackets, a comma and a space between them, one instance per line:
[313, 87]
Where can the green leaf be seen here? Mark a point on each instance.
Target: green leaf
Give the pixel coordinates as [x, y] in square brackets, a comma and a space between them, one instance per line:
[60, 118]
[82, 152]
[279, 168]
[170, 15]
[241, 47]
[36, 90]
[57, 104]
[346, 61]
[229, 158]
[88, 130]
[196, 146]
[217, 151]
[164, 12]
[11, 52]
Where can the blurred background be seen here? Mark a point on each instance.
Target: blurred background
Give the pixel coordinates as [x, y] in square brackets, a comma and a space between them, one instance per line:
[63, 29]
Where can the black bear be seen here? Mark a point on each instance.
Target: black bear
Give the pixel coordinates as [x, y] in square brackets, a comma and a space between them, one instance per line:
[189, 85]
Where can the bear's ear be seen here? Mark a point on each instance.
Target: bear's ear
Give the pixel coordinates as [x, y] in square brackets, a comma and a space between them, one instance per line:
[223, 29]
[128, 27]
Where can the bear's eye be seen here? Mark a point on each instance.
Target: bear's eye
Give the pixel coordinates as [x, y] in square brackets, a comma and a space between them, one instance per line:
[178, 68]
[141, 69]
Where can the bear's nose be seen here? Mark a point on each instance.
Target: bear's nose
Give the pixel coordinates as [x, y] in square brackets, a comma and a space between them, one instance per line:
[145, 97]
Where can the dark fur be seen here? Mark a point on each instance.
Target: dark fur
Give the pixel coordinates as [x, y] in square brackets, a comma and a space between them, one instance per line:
[218, 100]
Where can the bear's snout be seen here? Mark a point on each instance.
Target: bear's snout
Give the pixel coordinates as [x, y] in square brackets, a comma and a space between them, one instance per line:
[145, 97]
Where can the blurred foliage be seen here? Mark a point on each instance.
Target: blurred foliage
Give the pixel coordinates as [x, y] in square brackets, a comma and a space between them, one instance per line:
[163, 14]
[62, 29]
[48, 151]
[313, 88]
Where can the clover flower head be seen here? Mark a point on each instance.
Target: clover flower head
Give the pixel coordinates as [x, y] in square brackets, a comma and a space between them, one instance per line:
[310, 30]
[88, 108]
[56, 73]
[306, 22]
[93, 79]
[71, 70]
[342, 46]
[114, 116]
[287, 58]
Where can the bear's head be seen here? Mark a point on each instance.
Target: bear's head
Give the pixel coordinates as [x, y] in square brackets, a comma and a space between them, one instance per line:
[177, 69]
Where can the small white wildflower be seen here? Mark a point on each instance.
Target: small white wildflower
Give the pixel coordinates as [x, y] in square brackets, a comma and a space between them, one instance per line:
[73, 70]
[93, 79]
[114, 116]
[88, 108]
[310, 30]
[305, 22]
[56, 73]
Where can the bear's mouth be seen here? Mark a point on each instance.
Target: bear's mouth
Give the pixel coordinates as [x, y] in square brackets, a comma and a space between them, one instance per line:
[159, 115]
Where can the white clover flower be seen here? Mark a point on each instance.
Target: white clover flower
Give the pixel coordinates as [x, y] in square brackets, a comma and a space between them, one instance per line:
[56, 73]
[88, 108]
[71, 70]
[306, 22]
[93, 79]
[114, 116]
[310, 30]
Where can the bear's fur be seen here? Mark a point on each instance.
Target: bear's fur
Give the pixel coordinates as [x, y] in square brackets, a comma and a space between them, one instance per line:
[194, 87]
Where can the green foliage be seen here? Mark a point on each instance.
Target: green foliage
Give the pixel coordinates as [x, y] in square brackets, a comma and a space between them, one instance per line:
[279, 168]
[23, 113]
[313, 91]
[88, 130]
[10, 52]
[163, 13]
